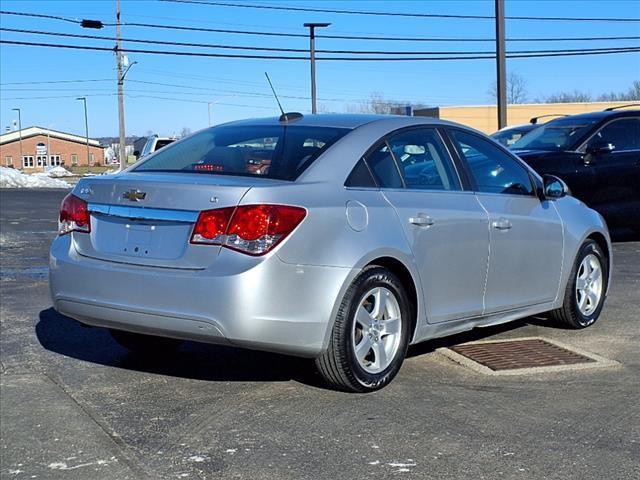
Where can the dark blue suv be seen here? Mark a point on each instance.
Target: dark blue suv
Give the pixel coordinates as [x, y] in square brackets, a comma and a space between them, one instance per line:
[598, 156]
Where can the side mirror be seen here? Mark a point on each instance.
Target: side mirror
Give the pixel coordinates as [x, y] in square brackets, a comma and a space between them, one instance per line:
[554, 187]
[596, 149]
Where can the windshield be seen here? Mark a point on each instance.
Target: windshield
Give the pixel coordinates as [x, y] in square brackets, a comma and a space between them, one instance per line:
[272, 151]
[555, 136]
[510, 136]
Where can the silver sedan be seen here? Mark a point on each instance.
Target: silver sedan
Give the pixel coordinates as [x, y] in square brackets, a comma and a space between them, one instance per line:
[343, 238]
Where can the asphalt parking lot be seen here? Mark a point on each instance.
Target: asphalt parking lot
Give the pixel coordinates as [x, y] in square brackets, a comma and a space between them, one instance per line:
[75, 405]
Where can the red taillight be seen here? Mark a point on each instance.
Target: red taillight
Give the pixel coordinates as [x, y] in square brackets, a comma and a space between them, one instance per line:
[74, 215]
[212, 226]
[250, 229]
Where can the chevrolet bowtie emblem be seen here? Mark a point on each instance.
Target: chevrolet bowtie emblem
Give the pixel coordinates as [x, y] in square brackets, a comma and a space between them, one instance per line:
[134, 195]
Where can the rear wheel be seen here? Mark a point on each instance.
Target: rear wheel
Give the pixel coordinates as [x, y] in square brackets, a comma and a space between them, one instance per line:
[585, 292]
[146, 344]
[370, 334]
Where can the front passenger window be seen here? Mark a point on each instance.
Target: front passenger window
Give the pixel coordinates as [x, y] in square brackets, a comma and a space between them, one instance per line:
[493, 170]
[622, 134]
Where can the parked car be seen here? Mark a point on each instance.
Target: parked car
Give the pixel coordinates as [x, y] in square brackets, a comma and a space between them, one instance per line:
[362, 235]
[598, 156]
[507, 136]
[151, 144]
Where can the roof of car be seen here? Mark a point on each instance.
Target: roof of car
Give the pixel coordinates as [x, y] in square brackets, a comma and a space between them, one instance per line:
[340, 120]
[595, 116]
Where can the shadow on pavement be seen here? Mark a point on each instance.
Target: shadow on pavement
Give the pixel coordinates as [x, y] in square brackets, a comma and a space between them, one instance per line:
[201, 361]
[193, 360]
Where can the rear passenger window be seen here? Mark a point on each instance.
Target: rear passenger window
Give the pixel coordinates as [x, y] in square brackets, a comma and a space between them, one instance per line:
[360, 177]
[423, 160]
[383, 167]
[492, 169]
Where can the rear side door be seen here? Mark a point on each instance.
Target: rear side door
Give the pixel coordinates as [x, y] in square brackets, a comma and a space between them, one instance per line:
[526, 235]
[445, 226]
[616, 186]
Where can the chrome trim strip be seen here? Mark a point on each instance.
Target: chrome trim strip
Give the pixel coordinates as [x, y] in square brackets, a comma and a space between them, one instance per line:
[142, 213]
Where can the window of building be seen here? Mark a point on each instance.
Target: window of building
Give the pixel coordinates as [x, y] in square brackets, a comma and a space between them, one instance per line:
[27, 161]
[91, 159]
[8, 161]
[54, 160]
[74, 159]
[41, 160]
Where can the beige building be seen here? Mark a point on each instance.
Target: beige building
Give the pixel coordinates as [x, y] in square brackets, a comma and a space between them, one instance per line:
[485, 117]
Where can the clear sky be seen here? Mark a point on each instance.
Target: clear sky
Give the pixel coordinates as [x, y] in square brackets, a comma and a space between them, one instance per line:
[192, 82]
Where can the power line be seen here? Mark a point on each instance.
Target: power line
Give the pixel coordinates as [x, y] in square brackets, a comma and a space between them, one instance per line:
[399, 14]
[293, 50]
[335, 37]
[532, 54]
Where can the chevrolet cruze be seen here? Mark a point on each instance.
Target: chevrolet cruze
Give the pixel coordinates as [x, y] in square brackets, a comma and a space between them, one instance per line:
[336, 237]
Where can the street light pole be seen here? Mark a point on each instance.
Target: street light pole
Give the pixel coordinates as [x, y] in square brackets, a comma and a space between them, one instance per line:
[312, 56]
[86, 130]
[501, 66]
[20, 131]
[122, 154]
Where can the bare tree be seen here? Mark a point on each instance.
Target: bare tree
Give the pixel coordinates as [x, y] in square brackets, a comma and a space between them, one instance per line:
[376, 103]
[186, 131]
[569, 97]
[633, 93]
[516, 89]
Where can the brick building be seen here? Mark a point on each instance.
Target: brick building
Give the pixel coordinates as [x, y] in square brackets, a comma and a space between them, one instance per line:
[43, 148]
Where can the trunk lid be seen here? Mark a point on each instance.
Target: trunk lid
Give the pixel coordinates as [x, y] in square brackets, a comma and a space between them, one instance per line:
[147, 219]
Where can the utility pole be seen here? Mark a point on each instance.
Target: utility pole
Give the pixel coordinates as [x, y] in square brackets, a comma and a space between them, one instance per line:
[501, 66]
[19, 132]
[86, 130]
[122, 154]
[312, 56]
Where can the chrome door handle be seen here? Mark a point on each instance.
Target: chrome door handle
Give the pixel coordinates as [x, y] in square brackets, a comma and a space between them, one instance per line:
[422, 220]
[501, 224]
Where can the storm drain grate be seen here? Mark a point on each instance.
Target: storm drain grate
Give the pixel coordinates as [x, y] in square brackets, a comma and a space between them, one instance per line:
[523, 355]
[510, 354]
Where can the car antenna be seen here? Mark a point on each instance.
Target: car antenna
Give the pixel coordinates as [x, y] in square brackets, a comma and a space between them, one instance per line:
[285, 117]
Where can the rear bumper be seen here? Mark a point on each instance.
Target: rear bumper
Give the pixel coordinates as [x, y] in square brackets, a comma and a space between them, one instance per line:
[261, 303]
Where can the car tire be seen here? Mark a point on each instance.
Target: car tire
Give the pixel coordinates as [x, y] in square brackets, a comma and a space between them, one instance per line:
[370, 335]
[586, 290]
[144, 344]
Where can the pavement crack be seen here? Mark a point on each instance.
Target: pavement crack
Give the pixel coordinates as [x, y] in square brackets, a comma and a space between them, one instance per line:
[127, 456]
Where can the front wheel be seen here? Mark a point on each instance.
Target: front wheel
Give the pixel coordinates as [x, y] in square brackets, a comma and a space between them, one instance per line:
[585, 292]
[370, 335]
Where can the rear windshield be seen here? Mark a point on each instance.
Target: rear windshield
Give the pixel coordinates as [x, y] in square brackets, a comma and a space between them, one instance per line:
[281, 152]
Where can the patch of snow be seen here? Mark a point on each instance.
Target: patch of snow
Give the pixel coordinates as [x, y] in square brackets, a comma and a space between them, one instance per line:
[403, 470]
[401, 465]
[375, 462]
[197, 458]
[12, 178]
[14, 472]
[58, 171]
[231, 450]
[58, 466]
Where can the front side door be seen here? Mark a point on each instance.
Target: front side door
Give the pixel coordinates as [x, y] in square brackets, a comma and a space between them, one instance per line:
[526, 238]
[445, 226]
[616, 186]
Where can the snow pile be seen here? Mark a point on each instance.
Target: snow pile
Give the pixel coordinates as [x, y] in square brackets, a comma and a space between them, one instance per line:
[58, 171]
[11, 178]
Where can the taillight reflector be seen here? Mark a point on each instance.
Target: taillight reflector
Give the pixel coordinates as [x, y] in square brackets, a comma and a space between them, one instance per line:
[250, 229]
[74, 215]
